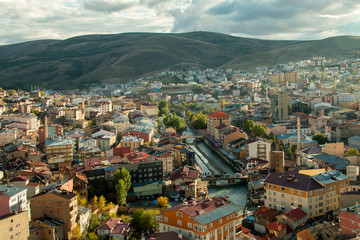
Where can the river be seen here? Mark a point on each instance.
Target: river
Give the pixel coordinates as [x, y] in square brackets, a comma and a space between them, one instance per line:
[210, 162]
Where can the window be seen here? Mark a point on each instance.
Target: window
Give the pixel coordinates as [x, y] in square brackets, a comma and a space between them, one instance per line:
[219, 231]
[282, 195]
[282, 189]
[225, 228]
[166, 219]
[292, 190]
[220, 221]
[179, 214]
[189, 225]
[300, 206]
[210, 225]
[179, 222]
[310, 193]
[299, 192]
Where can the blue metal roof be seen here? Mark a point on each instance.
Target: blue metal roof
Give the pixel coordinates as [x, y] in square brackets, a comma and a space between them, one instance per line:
[217, 213]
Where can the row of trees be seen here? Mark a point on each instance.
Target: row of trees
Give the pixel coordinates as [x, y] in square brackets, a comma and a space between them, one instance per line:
[122, 181]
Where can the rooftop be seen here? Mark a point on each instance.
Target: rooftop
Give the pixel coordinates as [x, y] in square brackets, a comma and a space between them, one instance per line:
[9, 191]
[293, 179]
[217, 114]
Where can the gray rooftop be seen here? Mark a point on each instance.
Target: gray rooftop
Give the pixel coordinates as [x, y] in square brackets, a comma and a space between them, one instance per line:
[217, 213]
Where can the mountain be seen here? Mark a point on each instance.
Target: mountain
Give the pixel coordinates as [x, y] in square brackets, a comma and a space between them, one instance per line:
[77, 61]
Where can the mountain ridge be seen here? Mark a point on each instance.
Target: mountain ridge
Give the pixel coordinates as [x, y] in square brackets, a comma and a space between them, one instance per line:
[81, 60]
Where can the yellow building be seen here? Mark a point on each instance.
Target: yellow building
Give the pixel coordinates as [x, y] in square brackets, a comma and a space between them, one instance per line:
[292, 77]
[276, 78]
[216, 119]
[62, 147]
[315, 193]
[15, 225]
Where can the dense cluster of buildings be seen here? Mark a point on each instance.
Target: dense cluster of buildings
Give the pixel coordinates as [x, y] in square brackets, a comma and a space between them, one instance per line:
[60, 146]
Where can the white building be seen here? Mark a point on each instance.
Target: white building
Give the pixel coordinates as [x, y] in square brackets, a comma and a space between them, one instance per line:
[13, 199]
[259, 149]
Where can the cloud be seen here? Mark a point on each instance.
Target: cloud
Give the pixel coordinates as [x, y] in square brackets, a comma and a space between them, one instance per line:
[107, 5]
[24, 20]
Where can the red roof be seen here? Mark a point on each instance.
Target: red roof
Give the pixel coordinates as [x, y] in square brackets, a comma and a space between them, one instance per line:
[19, 178]
[295, 214]
[266, 213]
[217, 114]
[185, 172]
[276, 226]
[109, 224]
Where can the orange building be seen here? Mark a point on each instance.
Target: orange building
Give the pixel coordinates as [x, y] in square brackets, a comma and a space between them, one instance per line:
[213, 218]
[58, 204]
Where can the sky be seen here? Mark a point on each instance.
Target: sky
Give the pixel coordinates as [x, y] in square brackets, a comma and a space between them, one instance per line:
[26, 20]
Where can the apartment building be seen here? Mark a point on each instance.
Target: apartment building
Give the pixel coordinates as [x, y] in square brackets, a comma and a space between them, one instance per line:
[26, 124]
[259, 148]
[131, 141]
[292, 77]
[50, 131]
[280, 106]
[15, 225]
[57, 204]
[336, 149]
[12, 199]
[74, 114]
[23, 182]
[64, 147]
[354, 142]
[213, 218]
[314, 191]
[277, 161]
[216, 119]
[8, 136]
[149, 109]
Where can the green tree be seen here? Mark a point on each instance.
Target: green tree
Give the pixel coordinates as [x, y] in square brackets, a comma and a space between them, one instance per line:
[249, 126]
[12, 92]
[163, 104]
[122, 185]
[288, 152]
[143, 221]
[199, 120]
[164, 111]
[352, 152]
[320, 138]
[95, 221]
[259, 130]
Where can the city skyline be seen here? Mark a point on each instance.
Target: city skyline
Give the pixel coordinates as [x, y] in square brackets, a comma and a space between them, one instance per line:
[27, 20]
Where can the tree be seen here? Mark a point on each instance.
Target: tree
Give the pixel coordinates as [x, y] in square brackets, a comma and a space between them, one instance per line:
[12, 92]
[288, 152]
[102, 203]
[143, 221]
[320, 138]
[223, 103]
[95, 221]
[76, 233]
[249, 126]
[92, 236]
[121, 192]
[352, 152]
[80, 201]
[259, 130]
[95, 201]
[162, 202]
[199, 120]
[163, 104]
[164, 111]
[125, 176]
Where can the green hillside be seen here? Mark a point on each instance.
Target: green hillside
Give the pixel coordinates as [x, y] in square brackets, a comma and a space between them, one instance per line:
[77, 61]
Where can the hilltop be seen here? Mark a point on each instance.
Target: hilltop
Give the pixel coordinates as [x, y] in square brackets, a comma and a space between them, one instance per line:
[88, 59]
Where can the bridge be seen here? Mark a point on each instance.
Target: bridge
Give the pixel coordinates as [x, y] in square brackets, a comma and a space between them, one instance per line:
[191, 137]
[231, 180]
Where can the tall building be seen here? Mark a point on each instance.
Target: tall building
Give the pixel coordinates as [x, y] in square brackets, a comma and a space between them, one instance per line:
[58, 204]
[277, 161]
[280, 106]
[216, 119]
[214, 218]
[292, 77]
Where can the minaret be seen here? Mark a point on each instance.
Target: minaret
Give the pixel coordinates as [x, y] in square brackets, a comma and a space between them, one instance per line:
[46, 126]
[298, 154]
